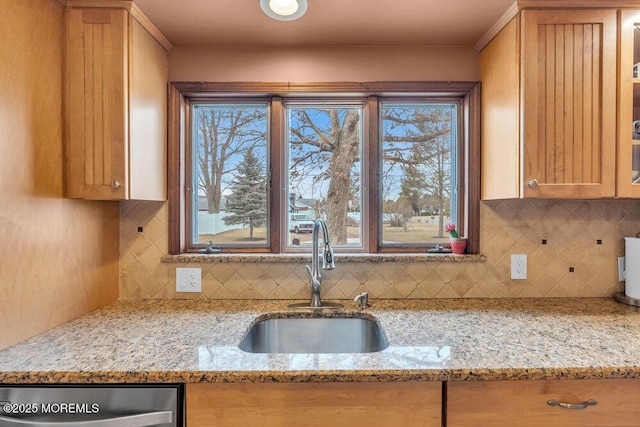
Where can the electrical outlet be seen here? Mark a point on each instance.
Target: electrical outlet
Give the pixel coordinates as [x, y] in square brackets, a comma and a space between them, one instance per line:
[621, 269]
[188, 280]
[518, 267]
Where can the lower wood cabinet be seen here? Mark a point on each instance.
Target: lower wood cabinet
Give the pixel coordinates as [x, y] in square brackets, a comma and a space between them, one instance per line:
[314, 404]
[525, 403]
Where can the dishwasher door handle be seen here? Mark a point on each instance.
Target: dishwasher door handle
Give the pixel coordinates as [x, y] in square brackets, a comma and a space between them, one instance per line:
[137, 420]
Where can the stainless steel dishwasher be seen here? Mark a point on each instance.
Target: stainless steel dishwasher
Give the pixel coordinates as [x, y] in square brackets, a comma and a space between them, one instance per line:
[91, 406]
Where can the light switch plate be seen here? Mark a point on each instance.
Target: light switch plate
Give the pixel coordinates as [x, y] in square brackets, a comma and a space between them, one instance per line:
[518, 267]
[188, 280]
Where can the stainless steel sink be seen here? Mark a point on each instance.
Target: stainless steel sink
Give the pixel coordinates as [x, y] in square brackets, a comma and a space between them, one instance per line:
[315, 335]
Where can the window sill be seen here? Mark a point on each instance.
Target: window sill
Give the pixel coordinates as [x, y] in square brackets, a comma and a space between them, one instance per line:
[339, 258]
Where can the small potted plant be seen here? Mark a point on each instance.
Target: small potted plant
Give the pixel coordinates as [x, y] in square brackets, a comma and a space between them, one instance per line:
[458, 244]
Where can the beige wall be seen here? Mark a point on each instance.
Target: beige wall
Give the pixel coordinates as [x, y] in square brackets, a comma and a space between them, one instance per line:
[571, 228]
[360, 63]
[59, 257]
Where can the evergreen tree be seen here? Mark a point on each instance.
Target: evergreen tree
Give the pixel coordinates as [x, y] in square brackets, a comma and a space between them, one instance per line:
[224, 132]
[411, 187]
[247, 203]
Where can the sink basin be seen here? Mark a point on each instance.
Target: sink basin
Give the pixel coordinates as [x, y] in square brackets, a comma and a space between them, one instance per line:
[315, 335]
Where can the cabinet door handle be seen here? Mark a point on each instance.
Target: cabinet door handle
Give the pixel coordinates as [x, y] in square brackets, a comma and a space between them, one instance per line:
[533, 183]
[582, 405]
[115, 185]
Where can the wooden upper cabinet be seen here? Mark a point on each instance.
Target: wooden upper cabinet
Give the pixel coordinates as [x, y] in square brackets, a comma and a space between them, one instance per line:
[569, 103]
[500, 115]
[628, 177]
[116, 106]
[558, 95]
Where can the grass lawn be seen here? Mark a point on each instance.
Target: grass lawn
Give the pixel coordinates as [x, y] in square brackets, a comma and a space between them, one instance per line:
[236, 236]
[416, 232]
[419, 230]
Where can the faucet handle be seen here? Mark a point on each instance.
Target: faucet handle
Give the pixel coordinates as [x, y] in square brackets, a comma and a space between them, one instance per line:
[315, 284]
[363, 298]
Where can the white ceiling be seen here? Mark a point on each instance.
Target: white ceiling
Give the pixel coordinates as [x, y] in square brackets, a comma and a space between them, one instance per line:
[327, 22]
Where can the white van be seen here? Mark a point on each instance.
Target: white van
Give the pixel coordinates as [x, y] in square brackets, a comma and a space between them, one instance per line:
[301, 223]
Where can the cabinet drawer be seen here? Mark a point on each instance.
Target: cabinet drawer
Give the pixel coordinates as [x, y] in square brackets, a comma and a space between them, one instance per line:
[315, 404]
[524, 403]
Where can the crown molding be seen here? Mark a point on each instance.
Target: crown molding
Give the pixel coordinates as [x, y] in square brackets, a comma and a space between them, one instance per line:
[113, 4]
[520, 5]
[497, 27]
[150, 27]
[130, 7]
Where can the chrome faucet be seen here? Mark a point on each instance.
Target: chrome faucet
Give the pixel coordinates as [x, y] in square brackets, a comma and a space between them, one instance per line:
[315, 277]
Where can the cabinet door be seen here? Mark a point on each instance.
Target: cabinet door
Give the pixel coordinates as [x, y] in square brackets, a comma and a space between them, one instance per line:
[96, 122]
[628, 180]
[525, 403]
[569, 103]
[314, 404]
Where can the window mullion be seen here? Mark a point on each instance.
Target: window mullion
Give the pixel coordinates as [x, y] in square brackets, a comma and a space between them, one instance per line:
[276, 196]
[372, 150]
[176, 152]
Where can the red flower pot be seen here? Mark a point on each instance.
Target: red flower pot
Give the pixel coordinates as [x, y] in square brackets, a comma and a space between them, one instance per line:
[458, 245]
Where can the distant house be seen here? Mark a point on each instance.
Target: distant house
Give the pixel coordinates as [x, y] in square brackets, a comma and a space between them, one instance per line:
[300, 205]
[311, 203]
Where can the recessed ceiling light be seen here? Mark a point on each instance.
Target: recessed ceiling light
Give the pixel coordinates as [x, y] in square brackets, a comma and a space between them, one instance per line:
[284, 10]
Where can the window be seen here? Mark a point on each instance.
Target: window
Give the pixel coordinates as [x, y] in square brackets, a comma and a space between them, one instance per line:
[252, 166]
[229, 192]
[324, 163]
[419, 182]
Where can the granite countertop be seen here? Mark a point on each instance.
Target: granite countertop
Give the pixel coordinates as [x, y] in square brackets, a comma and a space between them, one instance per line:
[429, 340]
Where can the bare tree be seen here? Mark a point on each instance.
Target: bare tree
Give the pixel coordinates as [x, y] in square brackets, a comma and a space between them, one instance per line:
[331, 149]
[422, 150]
[437, 179]
[399, 212]
[414, 143]
[325, 145]
[223, 134]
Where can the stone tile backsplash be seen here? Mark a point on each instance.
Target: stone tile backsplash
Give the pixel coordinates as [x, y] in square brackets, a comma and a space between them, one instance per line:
[571, 229]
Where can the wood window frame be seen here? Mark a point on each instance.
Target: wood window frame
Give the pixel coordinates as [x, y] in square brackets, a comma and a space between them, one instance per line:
[180, 93]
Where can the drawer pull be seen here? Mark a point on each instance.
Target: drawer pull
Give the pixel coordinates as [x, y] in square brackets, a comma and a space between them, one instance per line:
[583, 405]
